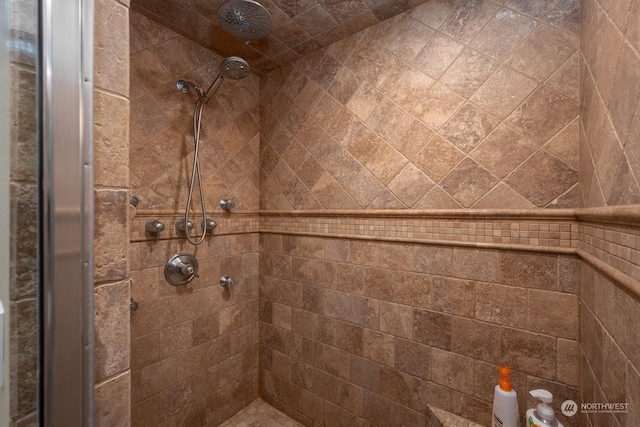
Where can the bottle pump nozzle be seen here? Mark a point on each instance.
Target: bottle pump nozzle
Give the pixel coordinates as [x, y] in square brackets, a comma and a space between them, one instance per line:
[505, 383]
[544, 410]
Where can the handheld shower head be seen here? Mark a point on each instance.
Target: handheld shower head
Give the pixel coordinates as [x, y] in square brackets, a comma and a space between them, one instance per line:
[234, 68]
[245, 19]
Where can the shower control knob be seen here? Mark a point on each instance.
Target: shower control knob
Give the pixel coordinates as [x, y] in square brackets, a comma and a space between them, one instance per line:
[181, 269]
[227, 205]
[186, 269]
[226, 281]
[209, 224]
[180, 226]
[154, 226]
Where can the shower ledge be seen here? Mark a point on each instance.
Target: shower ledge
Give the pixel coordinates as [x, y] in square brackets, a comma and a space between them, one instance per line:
[441, 418]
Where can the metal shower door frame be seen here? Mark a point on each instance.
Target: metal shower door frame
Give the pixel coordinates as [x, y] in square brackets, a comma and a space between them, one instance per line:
[66, 200]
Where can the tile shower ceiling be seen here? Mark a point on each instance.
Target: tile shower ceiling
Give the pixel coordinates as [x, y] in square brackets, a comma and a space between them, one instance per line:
[300, 26]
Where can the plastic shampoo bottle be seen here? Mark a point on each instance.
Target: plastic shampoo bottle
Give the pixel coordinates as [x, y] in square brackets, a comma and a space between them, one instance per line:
[543, 415]
[505, 402]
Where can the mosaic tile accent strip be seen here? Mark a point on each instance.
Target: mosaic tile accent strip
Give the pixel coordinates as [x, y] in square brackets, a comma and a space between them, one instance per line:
[555, 232]
[616, 245]
[227, 224]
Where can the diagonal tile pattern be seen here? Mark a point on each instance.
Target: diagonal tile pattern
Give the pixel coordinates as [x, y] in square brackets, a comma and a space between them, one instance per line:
[439, 107]
[609, 111]
[161, 132]
[299, 27]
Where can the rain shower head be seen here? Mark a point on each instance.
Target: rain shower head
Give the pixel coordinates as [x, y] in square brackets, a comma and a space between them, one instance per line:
[245, 19]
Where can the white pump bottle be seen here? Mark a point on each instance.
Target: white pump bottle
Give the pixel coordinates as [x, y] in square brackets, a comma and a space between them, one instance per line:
[543, 415]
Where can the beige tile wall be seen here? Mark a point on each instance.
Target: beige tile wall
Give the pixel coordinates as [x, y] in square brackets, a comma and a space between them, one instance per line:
[111, 274]
[162, 123]
[23, 293]
[194, 348]
[609, 137]
[610, 89]
[356, 332]
[446, 106]
[609, 336]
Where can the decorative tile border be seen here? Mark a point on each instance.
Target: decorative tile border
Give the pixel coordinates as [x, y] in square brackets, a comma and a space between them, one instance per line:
[608, 238]
[487, 228]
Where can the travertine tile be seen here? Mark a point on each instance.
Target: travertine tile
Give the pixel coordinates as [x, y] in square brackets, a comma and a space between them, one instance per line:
[565, 145]
[503, 150]
[410, 40]
[544, 51]
[468, 181]
[113, 401]
[566, 16]
[112, 47]
[535, 9]
[491, 306]
[378, 409]
[468, 127]
[567, 79]
[440, 105]
[552, 313]
[528, 270]
[410, 185]
[412, 358]
[364, 100]
[475, 339]
[453, 296]
[431, 328]
[476, 264]
[555, 176]
[503, 92]
[433, 13]
[437, 55]
[396, 319]
[467, 19]
[503, 33]
[530, 353]
[386, 163]
[543, 114]
[112, 329]
[438, 157]
[451, 370]
[409, 89]
[468, 72]
[495, 199]
[111, 235]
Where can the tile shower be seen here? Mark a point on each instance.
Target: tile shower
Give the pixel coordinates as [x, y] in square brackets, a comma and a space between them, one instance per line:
[467, 168]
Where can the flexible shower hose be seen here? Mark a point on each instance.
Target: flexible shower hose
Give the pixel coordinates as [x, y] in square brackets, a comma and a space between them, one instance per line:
[197, 121]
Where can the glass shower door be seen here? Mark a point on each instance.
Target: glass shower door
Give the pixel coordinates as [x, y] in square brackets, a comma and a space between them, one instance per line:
[46, 212]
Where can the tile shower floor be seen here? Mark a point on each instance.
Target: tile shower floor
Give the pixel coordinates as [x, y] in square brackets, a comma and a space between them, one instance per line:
[260, 414]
